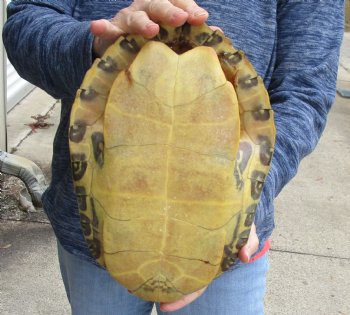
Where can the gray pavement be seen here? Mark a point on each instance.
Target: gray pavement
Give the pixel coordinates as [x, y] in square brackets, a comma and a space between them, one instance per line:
[310, 259]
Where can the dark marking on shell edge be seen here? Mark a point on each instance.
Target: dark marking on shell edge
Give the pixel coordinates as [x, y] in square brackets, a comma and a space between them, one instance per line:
[202, 38]
[163, 34]
[256, 189]
[257, 183]
[108, 65]
[230, 255]
[243, 238]
[247, 82]
[238, 176]
[243, 155]
[81, 197]
[228, 261]
[244, 234]
[94, 246]
[231, 58]
[250, 215]
[241, 242]
[95, 221]
[77, 131]
[98, 147]
[213, 39]
[266, 150]
[79, 165]
[130, 46]
[154, 284]
[185, 30]
[85, 224]
[261, 115]
[88, 94]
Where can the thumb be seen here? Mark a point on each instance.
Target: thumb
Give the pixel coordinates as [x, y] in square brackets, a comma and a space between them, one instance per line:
[248, 250]
[105, 33]
[105, 29]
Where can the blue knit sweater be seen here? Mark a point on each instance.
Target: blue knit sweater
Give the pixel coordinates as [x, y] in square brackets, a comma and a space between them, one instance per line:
[293, 44]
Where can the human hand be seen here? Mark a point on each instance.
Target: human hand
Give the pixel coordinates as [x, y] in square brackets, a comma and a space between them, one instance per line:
[141, 18]
[187, 299]
[244, 255]
[252, 245]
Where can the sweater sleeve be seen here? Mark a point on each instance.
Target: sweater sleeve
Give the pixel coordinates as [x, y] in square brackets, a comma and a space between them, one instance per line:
[302, 89]
[47, 46]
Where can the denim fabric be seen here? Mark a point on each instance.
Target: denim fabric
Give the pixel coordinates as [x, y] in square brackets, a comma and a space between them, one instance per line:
[92, 291]
[293, 44]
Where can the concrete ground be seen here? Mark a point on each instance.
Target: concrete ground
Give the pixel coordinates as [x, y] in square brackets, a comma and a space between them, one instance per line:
[310, 259]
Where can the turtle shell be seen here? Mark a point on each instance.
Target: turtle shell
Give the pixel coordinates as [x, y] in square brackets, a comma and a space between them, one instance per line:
[171, 140]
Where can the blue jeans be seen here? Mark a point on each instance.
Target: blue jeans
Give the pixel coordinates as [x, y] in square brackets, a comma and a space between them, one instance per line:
[91, 291]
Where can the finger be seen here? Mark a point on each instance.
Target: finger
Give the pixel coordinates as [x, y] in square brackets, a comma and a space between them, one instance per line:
[105, 29]
[247, 251]
[165, 12]
[187, 299]
[196, 14]
[136, 22]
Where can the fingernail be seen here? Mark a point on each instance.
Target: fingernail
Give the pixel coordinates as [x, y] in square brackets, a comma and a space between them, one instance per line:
[200, 12]
[179, 14]
[151, 25]
[150, 30]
